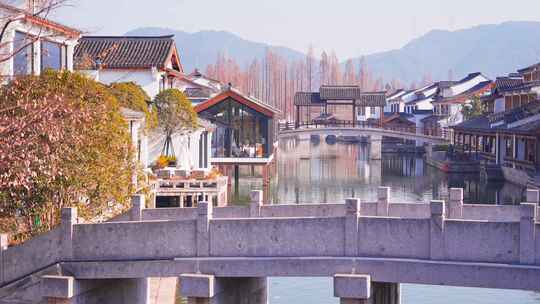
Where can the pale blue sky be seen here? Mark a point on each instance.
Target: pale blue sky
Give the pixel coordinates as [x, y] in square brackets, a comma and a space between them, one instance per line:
[350, 27]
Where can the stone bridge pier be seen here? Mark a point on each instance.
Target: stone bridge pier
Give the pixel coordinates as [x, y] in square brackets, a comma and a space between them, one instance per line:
[57, 289]
[358, 289]
[375, 147]
[208, 289]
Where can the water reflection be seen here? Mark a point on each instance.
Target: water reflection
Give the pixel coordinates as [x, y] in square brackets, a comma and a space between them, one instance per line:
[322, 173]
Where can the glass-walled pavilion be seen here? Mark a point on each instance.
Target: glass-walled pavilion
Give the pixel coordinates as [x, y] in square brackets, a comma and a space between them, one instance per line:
[244, 126]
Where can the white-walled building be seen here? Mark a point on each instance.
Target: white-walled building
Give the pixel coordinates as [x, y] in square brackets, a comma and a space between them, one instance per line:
[154, 64]
[31, 43]
[199, 88]
[393, 101]
[450, 100]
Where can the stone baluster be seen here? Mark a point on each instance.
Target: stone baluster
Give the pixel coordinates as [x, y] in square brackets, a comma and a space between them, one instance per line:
[455, 205]
[352, 213]
[198, 288]
[137, 206]
[352, 288]
[527, 233]
[4, 242]
[533, 197]
[256, 203]
[438, 214]
[68, 219]
[204, 215]
[383, 201]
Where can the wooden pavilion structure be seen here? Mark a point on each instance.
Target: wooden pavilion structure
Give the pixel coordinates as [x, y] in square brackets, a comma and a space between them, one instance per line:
[337, 99]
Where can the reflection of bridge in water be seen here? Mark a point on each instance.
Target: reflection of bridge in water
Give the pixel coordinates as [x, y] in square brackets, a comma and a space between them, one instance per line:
[223, 255]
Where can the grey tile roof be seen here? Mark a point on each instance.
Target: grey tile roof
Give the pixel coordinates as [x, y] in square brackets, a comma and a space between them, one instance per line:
[477, 123]
[529, 68]
[345, 93]
[433, 118]
[469, 77]
[375, 99]
[528, 127]
[477, 89]
[123, 52]
[307, 98]
[197, 93]
[340, 92]
[445, 84]
[507, 83]
[525, 86]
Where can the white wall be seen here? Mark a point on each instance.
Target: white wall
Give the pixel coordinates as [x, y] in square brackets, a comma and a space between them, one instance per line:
[186, 148]
[499, 105]
[6, 67]
[368, 114]
[148, 79]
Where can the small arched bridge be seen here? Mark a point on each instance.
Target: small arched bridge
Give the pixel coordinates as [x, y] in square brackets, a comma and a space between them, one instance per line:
[350, 129]
[219, 253]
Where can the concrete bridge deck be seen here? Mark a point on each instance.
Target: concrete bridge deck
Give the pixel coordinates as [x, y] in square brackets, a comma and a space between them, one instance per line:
[441, 243]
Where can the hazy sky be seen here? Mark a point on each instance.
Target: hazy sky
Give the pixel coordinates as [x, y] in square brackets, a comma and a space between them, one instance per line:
[350, 27]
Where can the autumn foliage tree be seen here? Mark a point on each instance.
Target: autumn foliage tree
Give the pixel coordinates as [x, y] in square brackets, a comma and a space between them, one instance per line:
[176, 115]
[63, 143]
[132, 96]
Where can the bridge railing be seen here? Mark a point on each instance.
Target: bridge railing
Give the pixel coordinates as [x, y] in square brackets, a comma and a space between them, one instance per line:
[442, 133]
[448, 231]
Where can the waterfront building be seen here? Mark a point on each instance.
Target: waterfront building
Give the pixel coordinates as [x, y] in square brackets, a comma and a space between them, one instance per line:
[393, 101]
[514, 90]
[400, 121]
[110, 59]
[449, 101]
[37, 43]
[508, 140]
[245, 132]
[157, 67]
[494, 101]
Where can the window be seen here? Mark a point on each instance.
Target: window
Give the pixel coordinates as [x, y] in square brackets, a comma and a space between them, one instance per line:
[23, 61]
[372, 111]
[53, 55]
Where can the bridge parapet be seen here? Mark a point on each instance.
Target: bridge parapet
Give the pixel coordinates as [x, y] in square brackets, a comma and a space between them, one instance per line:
[417, 135]
[380, 229]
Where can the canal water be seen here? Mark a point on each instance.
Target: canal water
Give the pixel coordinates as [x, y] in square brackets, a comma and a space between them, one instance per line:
[321, 173]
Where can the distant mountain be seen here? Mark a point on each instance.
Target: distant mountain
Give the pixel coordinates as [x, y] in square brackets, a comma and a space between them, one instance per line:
[492, 49]
[197, 50]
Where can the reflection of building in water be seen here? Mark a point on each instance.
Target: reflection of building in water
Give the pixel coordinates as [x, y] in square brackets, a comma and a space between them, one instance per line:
[310, 172]
[408, 175]
[319, 173]
[476, 190]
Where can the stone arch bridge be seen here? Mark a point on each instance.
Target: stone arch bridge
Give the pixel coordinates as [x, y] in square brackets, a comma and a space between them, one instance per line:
[224, 255]
[373, 133]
